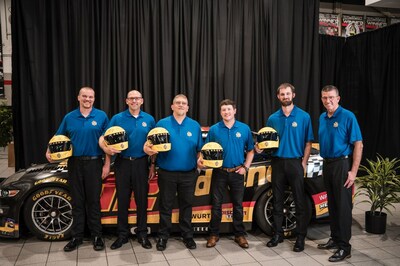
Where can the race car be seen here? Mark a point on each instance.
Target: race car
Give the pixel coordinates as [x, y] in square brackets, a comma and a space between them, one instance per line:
[39, 198]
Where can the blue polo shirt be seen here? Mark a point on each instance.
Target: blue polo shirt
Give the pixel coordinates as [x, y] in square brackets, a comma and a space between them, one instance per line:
[186, 141]
[338, 133]
[84, 132]
[294, 132]
[235, 141]
[136, 130]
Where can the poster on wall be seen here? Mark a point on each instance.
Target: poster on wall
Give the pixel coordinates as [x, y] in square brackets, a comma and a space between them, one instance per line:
[329, 24]
[373, 23]
[394, 21]
[352, 25]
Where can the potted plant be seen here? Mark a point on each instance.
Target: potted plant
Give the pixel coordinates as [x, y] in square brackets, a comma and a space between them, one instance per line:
[381, 186]
[6, 131]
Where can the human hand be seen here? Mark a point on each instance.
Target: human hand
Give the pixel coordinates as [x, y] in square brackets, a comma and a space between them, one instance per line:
[257, 149]
[147, 148]
[105, 171]
[351, 177]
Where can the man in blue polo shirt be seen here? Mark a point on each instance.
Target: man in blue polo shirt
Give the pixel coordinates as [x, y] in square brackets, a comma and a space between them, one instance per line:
[236, 139]
[84, 126]
[177, 172]
[341, 147]
[132, 168]
[289, 162]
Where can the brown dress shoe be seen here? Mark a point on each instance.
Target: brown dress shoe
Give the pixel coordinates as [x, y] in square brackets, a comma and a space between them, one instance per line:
[212, 241]
[241, 240]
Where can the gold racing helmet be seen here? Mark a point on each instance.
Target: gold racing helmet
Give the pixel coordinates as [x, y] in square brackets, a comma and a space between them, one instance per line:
[268, 138]
[212, 154]
[60, 147]
[159, 137]
[116, 137]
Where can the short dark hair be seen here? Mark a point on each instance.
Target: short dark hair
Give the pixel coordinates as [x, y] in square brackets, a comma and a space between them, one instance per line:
[284, 86]
[227, 102]
[330, 88]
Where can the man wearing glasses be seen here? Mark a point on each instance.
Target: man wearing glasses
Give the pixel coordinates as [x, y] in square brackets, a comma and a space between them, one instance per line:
[341, 147]
[177, 171]
[132, 168]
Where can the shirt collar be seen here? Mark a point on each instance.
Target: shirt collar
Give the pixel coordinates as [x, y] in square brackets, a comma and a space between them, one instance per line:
[127, 113]
[336, 113]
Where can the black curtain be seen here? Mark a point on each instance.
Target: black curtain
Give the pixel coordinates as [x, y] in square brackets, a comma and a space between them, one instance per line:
[206, 49]
[366, 69]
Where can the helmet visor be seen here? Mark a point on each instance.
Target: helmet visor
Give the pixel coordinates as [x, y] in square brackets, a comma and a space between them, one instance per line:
[212, 155]
[265, 136]
[160, 138]
[115, 138]
[60, 146]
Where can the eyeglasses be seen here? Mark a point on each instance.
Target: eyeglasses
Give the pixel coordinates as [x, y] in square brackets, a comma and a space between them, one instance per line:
[134, 99]
[330, 98]
[180, 103]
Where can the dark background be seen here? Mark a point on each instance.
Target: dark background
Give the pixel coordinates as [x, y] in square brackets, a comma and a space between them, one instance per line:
[209, 50]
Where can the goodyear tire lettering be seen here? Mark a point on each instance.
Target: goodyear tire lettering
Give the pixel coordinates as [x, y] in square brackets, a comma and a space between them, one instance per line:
[48, 213]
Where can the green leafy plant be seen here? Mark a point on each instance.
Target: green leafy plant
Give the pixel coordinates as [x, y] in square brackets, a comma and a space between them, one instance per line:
[381, 184]
[6, 132]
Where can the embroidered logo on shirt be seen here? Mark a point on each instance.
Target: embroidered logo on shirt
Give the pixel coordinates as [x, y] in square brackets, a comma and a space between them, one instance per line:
[238, 135]
[144, 124]
[294, 124]
[94, 123]
[189, 134]
[336, 124]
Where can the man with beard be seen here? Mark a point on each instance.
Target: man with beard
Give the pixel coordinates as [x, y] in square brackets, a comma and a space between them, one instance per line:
[177, 172]
[84, 126]
[289, 162]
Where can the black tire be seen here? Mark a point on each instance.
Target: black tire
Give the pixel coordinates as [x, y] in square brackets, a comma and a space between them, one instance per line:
[48, 213]
[264, 212]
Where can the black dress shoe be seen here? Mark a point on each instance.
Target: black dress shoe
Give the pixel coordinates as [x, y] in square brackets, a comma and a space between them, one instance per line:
[98, 243]
[299, 244]
[340, 255]
[161, 244]
[119, 242]
[275, 240]
[73, 244]
[144, 241]
[328, 245]
[189, 243]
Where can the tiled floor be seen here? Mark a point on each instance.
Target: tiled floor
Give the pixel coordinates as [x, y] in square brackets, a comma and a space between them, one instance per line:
[368, 249]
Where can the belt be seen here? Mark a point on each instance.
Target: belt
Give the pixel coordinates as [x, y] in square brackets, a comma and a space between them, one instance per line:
[231, 170]
[331, 160]
[87, 158]
[131, 158]
[283, 158]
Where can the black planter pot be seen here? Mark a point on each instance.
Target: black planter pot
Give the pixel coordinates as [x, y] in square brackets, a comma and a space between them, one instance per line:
[375, 223]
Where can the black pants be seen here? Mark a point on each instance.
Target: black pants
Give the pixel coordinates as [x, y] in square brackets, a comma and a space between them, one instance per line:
[288, 172]
[339, 201]
[220, 182]
[132, 176]
[171, 183]
[85, 183]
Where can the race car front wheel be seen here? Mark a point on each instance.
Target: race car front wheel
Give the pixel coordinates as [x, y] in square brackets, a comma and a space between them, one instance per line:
[264, 213]
[48, 213]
